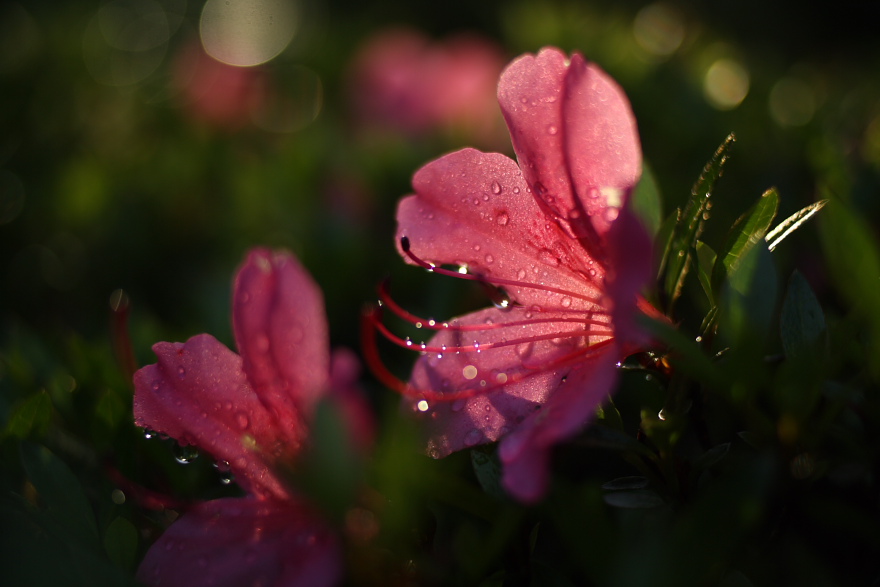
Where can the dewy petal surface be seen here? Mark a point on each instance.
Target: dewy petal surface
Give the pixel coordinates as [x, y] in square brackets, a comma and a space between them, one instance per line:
[244, 541]
[473, 208]
[534, 353]
[198, 394]
[574, 135]
[281, 333]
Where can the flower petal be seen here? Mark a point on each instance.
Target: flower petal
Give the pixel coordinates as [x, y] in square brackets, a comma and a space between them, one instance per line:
[524, 452]
[244, 541]
[474, 209]
[574, 135]
[602, 147]
[510, 381]
[197, 393]
[281, 333]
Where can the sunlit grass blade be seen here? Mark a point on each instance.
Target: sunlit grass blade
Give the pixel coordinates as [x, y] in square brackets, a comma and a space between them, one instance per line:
[792, 223]
[746, 232]
[689, 226]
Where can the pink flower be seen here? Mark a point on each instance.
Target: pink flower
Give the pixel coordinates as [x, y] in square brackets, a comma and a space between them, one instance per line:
[250, 412]
[215, 93]
[556, 235]
[402, 80]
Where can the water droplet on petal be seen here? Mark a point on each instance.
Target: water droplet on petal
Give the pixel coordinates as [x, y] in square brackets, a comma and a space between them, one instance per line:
[502, 219]
[566, 302]
[521, 274]
[490, 259]
[422, 406]
[181, 372]
[516, 190]
[525, 349]
[552, 130]
[185, 454]
[496, 188]
[610, 214]
[242, 420]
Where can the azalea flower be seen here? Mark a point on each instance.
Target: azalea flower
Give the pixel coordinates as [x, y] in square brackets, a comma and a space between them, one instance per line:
[401, 79]
[251, 412]
[555, 239]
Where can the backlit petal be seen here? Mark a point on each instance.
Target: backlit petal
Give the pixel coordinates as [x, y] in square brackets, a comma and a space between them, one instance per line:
[281, 333]
[524, 374]
[244, 541]
[197, 394]
[474, 209]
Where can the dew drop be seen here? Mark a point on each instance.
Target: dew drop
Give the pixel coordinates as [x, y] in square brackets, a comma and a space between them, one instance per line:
[242, 420]
[422, 406]
[185, 454]
[476, 201]
[473, 437]
[181, 372]
[521, 274]
[516, 190]
[566, 302]
[469, 372]
[525, 349]
[610, 214]
[496, 188]
[490, 259]
[477, 248]
[156, 385]
[408, 341]
[434, 453]
[485, 197]
[148, 434]
[552, 130]
[502, 219]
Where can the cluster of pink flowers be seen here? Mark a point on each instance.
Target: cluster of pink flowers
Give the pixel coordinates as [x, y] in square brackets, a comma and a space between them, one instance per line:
[554, 233]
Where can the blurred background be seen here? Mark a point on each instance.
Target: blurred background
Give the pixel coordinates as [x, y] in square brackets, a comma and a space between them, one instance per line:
[145, 145]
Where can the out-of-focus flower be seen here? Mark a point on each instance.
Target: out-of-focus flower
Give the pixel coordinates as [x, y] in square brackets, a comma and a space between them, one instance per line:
[214, 93]
[554, 233]
[251, 412]
[402, 80]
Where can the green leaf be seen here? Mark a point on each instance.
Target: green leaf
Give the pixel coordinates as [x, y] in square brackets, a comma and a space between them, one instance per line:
[705, 261]
[749, 300]
[646, 201]
[31, 416]
[121, 542]
[487, 468]
[60, 494]
[712, 456]
[689, 226]
[854, 263]
[626, 483]
[746, 232]
[802, 323]
[636, 499]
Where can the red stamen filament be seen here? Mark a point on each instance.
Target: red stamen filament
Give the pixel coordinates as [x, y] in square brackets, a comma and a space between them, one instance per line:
[404, 245]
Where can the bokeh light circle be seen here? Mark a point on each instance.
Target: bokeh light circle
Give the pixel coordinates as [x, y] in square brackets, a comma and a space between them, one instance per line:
[247, 32]
[726, 84]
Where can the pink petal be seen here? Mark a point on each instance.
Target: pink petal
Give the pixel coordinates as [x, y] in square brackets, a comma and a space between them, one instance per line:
[523, 374]
[281, 333]
[244, 541]
[197, 393]
[524, 452]
[574, 135]
[632, 260]
[601, 141]
[474, 209]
